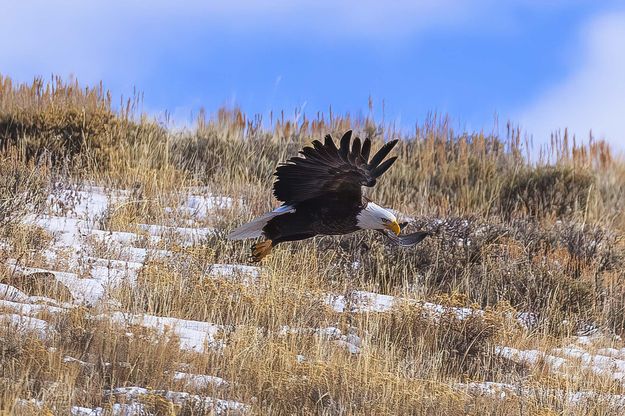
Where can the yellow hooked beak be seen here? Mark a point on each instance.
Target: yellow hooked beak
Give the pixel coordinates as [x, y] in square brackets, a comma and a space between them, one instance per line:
[394, 227]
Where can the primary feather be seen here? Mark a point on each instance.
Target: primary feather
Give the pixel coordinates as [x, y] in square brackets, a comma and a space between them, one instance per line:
[325, 169]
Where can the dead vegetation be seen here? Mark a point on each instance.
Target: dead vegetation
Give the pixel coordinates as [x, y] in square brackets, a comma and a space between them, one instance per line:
[509, 236]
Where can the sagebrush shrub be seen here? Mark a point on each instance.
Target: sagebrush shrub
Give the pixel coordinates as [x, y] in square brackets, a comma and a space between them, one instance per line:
[554, 191]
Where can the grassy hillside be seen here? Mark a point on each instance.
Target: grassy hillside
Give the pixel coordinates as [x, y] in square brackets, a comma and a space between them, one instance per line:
[515, 305]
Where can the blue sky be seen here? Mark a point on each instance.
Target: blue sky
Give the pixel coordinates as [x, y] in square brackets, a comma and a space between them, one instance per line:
[541, 64]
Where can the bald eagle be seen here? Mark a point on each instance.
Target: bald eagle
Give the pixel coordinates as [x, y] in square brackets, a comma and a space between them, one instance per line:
[321, 194]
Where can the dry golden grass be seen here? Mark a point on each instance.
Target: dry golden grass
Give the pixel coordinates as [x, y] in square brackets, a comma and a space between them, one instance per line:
[510, 236]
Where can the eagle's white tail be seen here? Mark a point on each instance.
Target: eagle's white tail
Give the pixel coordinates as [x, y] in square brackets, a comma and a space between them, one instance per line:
[254, 228]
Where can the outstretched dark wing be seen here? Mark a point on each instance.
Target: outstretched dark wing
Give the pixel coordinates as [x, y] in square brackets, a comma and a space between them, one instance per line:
[325, 170]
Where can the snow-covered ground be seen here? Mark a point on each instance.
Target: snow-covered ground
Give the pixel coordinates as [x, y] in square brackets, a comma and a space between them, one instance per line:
[75, 220]
[90, 261]
[503, 391]
[130, 395]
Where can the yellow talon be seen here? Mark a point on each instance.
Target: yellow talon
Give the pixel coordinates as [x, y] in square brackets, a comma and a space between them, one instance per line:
[261, 250]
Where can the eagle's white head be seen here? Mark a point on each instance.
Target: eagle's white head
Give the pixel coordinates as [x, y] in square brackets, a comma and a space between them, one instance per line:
[374, 217]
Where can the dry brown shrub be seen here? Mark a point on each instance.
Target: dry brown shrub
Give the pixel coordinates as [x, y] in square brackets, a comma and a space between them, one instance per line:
[187, 290]
[458, 341]
[23, 188]
[25, 243]
[39, 284]
[335, 384]
[546, 191]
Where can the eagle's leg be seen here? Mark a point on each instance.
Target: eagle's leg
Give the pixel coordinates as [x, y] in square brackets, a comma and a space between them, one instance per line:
[261, 250]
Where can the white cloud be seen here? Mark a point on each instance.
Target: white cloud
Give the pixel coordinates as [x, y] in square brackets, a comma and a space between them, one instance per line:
[117, 40]
[123, 42]
[592, 97]
[369, 18]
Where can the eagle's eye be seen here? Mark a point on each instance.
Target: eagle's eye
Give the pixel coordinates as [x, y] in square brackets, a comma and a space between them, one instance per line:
[384, 220]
